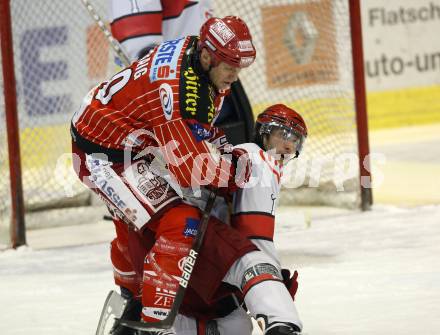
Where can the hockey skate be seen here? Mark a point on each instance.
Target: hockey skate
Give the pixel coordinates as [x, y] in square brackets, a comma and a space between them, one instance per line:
[132, 311]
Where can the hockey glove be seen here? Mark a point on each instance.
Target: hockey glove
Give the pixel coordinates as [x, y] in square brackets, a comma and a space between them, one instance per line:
[291, 282]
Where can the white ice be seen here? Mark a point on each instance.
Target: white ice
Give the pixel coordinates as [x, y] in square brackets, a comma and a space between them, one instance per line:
[360, 273]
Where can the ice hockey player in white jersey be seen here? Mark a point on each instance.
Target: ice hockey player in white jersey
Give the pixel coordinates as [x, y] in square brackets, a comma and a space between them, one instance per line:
[279, 137]
[142, 24]
[280, 133]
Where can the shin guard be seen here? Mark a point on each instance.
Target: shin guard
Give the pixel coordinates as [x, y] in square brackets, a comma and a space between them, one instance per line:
[162, 270]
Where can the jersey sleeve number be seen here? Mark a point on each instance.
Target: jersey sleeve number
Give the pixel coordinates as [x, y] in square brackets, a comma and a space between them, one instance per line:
[114, 85]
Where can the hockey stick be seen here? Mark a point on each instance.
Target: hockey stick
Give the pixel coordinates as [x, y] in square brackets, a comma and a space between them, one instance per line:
[188, 267]
[114, 305]
[113, 42]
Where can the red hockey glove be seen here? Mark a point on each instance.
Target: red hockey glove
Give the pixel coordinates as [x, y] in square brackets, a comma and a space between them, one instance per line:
[241, 169]
[291, 282]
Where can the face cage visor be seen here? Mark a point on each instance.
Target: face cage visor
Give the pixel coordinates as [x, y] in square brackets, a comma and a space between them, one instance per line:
[287, 134]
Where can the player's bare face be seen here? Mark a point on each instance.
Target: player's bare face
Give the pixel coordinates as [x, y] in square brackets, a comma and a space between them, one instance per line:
[223, 75]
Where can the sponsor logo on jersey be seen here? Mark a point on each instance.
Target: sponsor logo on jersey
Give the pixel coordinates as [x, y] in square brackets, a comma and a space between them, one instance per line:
[166, 99]
[105, 179]
[152, 188]
[157, 313]
[221, 32]
[142, 66]
[132, 141]
[197, 96]
[110, 192]
[164, 298]
[212, 111]
[181, 262]
[101, 180]
[200, 133]
[191, 227]
[191, 87]
[164, 63]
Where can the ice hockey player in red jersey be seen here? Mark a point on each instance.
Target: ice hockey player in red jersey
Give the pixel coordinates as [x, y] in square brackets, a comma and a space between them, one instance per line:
[168, 101]
[142, 24]
[174, 93]
[280, 133]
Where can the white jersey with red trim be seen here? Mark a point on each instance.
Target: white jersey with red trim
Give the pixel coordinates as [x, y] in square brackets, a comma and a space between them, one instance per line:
[141, 23]
[254, 204]
[256, 199]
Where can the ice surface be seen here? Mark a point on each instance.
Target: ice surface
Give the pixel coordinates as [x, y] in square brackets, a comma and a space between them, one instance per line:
[360, 273]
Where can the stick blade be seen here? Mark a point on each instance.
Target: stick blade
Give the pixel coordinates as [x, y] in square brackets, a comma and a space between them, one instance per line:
[114, 305]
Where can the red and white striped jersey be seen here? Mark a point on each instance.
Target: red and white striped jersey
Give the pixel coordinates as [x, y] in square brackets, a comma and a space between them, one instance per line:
[255, 201]
[163, 100]
[137, 24]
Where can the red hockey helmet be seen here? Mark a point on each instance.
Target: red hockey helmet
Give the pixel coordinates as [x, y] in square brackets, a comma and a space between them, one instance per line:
[282, 117]
[228, 40]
